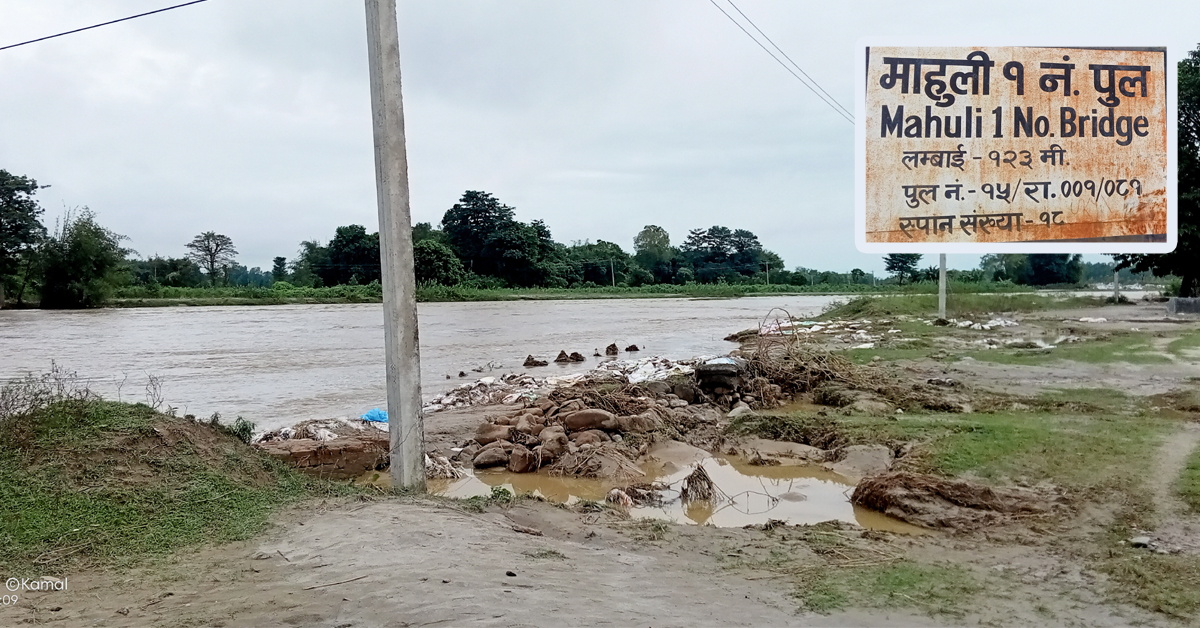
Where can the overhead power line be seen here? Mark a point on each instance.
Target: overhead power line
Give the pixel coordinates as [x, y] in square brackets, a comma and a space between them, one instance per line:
[810, 83]
[85, 28]
[785, 56]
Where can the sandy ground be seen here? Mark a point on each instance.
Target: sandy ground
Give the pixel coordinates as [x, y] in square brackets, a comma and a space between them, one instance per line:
[413, 564]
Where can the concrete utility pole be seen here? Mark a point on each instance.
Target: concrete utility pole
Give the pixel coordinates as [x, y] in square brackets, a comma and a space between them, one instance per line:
[613, 273]
[405, 422]
[1116, 286]
[768, 273]
[942, 286]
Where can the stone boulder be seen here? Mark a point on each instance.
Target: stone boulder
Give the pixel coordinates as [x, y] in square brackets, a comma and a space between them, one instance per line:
[562, 357]
[611, 349]
[554, 442]
[490, 457]
[589, 437]
[686, 392]
[576, 357]
[531, 361]
[658, 388]
[590, 419]
[521, 460]
[638, 423]
[525, 425]
[491, 432]
[574, 405]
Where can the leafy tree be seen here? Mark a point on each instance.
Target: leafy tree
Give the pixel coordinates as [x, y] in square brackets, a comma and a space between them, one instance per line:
[311, 259]
[424, 231]
[434, 262]
[721, 254]
[166, 271]
[475, 219]
[81, 263]
[857, 275]
[1046, 269]
[1184, 261]
[599, 262]
[239, 275]
[279, 269]
[653, 252]
[353, 255]
[902, 264]
[212, 252]
[20, 230]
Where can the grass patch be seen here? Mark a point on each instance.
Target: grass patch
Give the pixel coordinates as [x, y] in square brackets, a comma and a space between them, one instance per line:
[1189, 482]
[937, 590]
[1167, 584]
[1099, 398]
[1182, 344]
[649, 530]
[1080, 451]
[92, 482]
[1132, 348]
[957, 305]
[914, 351]
[546, 554]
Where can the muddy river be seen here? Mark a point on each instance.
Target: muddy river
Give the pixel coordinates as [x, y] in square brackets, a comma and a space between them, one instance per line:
[277, 365]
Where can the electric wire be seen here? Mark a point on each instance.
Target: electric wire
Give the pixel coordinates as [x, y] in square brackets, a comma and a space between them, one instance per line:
[818, 94]
[785, 56]
[85, 28]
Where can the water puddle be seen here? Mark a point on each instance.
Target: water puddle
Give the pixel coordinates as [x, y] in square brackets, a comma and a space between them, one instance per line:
[797, 494]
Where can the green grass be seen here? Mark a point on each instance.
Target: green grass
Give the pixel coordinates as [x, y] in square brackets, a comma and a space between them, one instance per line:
[1129, 347]
[111, 484]
[957, 305]
[1180, 345]
[934, 589]
[1084, 452]
[1167, 584]
[1188, 486]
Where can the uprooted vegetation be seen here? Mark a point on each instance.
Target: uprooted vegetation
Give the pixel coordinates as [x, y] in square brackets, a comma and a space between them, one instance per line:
[87, 481]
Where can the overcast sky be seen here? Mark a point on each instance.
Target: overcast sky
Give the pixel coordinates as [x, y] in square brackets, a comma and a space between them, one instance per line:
[252, 117]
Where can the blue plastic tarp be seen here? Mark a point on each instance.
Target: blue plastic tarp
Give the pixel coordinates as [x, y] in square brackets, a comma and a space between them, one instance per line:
[376, 415]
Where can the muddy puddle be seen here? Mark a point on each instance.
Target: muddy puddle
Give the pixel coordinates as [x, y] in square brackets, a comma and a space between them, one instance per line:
[797, 494]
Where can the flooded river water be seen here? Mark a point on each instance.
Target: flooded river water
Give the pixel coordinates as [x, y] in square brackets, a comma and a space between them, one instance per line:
[277, 365]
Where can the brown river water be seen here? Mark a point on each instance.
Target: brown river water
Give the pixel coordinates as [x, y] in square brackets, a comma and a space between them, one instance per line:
[278, 365]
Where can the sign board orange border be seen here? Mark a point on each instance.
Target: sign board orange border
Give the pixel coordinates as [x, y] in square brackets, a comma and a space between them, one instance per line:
[1015, 149]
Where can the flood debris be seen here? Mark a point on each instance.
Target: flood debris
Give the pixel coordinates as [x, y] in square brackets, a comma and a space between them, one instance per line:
[698, 486]
[937, 502]
[619, 498]
[439, 467]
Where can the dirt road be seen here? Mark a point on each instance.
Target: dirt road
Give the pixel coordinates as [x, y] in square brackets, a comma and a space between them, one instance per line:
[412, 564]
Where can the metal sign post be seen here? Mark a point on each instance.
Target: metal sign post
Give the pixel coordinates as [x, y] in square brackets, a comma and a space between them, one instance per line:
[942, 286]
[405, 422]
